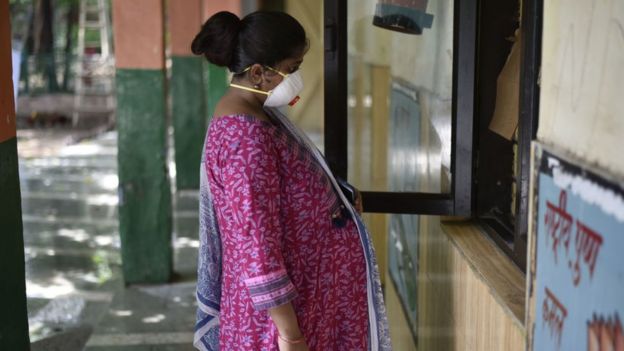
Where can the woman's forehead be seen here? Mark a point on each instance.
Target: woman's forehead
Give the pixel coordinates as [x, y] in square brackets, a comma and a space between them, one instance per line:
[292, 60]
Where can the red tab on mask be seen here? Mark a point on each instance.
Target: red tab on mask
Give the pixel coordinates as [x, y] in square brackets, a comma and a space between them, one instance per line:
[294, 101]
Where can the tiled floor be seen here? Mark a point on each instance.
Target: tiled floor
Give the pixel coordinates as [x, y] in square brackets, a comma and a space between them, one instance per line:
[76, 296]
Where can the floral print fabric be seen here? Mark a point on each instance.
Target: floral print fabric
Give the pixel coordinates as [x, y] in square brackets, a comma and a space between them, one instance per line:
[275, 209]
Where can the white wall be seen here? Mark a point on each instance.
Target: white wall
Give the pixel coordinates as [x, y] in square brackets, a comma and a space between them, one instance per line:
[582, 80]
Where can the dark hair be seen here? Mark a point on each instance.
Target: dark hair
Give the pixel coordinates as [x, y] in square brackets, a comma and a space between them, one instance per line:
[263, 37]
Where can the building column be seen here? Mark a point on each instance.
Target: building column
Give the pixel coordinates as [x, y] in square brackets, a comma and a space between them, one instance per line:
[13, 315]
[144, 191]
[216, 77]
[188, 101]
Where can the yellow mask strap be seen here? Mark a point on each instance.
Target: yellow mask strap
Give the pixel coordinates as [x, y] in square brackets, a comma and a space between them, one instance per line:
[276, 71]
[269, 67]
[250, 89]
[238, 86]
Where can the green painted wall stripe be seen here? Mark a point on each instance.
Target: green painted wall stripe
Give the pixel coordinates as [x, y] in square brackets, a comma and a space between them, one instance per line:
[188, 118]
[216, 83]
[13, 315]
[144, 189]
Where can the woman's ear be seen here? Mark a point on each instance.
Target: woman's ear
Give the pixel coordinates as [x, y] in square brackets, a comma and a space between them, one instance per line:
[255, 74]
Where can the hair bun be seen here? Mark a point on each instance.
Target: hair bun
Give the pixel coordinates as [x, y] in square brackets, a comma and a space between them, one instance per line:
[218, 38]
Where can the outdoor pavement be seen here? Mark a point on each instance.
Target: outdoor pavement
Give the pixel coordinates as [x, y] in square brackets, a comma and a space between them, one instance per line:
[76, 296]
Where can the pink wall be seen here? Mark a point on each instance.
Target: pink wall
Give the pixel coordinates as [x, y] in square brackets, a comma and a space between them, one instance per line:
[185, 20]
[7, 108]
[138, 30]
[213, 6]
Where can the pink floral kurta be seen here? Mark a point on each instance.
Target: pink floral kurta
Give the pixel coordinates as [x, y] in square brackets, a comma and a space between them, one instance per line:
[280, 243]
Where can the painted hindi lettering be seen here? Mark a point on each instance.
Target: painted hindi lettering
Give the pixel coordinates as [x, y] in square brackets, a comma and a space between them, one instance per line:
[554, 314]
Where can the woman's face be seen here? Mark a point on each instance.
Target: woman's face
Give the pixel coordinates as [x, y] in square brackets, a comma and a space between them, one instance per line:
[287, 66]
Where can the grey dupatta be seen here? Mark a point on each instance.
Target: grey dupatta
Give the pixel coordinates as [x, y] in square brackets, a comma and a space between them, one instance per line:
[209, 265]
[208, 292]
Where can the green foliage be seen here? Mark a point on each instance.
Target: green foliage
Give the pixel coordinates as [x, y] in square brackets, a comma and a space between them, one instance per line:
[20, 2]
[66, 3]
[56, 2]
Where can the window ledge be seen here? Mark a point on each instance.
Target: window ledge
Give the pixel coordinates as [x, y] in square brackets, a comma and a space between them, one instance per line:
[505, 280]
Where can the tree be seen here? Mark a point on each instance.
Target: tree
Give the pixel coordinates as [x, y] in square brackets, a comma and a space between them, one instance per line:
[71, 20]
[43, 40]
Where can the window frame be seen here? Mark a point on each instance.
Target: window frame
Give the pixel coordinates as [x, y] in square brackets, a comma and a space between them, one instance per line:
[514, 242]
[458, 202]
[531, 54]
[461, 201]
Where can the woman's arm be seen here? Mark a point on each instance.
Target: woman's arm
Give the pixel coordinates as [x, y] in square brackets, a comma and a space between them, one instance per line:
[251, 182]
[285, 320]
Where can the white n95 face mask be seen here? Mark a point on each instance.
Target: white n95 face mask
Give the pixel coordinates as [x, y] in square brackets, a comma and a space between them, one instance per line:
[285, 93]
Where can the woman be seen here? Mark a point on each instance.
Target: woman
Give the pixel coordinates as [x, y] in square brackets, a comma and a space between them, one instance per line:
[285, 262]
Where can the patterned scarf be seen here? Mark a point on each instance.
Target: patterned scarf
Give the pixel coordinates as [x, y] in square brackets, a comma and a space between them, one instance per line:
[209, 265]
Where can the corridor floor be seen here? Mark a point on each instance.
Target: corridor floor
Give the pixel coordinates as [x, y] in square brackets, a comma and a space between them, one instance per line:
[76, 296]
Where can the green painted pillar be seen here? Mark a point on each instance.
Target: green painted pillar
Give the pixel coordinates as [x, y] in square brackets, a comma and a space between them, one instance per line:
[189, 118]
[13, 315]
[216, 82]
[144, 191]
[187, 92]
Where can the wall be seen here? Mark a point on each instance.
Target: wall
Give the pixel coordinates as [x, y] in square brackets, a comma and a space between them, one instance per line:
[580, 119]
[470, 295]
[13, 316]
[582, 80]
[308, 112]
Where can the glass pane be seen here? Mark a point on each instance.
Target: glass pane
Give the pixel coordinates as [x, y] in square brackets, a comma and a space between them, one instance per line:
[400, 94]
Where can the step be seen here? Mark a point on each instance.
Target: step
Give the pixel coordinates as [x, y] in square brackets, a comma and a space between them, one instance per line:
[41, 187]
[95, 228]
[71, 339]
[93, 208]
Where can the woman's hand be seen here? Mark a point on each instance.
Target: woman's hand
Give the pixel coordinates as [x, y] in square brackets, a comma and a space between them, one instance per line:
[284, 346]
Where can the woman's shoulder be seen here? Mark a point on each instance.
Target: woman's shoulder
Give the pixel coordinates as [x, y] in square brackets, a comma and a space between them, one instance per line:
[228, 113]
[239, 126]
[229, 106]
[243, 130]
[240, 119]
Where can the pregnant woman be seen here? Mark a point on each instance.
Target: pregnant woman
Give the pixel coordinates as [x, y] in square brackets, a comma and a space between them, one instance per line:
[285, 262]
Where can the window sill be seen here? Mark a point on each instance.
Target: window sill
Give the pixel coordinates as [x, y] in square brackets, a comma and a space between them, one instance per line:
[505, 280]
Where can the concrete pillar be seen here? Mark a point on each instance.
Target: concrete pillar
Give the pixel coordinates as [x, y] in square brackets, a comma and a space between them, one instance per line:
[144, 189]
[216, 78]
[188, 101]
[13, 315]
